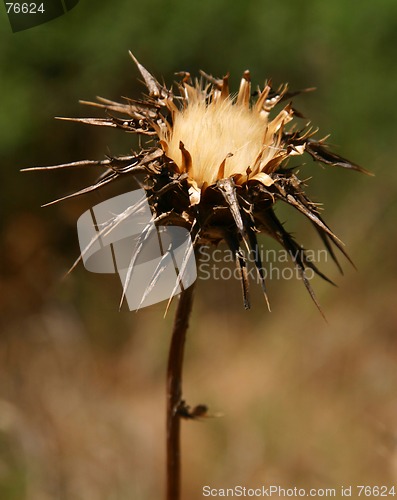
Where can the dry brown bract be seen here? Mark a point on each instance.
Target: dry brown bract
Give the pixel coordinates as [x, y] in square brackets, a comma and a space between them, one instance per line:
[219, 164]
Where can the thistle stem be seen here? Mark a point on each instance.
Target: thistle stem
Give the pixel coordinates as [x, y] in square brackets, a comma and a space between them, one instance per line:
[174, 392]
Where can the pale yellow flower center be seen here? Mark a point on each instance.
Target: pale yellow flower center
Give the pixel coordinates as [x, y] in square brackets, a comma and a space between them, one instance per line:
[215, 132]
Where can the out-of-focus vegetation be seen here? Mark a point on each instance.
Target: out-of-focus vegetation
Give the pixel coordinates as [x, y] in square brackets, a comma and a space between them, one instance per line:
[305, 403]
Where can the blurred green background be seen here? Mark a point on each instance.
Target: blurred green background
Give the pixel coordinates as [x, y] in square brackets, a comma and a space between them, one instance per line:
[304, 402]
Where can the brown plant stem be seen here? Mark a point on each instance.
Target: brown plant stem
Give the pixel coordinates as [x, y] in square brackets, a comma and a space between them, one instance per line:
[174, 392]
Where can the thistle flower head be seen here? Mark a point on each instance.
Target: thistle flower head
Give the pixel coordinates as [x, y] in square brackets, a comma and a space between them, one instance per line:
[218, 163]
[217, 136]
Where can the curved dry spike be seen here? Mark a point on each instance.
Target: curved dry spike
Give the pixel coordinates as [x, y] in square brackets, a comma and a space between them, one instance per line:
[320, 152]
[217, 82]
[328, 246]
[136, 110]
[259, 105]
[308, 263]
[104, 179]
[186, 160]
[244, 93]
[73, 164]
[275, 229]
[221, 171]
[185, 75]
[311, 292]
[308, 208]
[111, 105]
[299, 258]
[290, 200]
[241, 265]
[102, 122]
[109, 177]
[282, 118]
[338, 244]
[153, 86]
[288, 95]
[129, 124]
[118, 164]
[254, 247]
[225, 92]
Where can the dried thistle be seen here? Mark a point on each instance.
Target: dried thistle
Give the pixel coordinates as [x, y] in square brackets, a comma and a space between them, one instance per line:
[219, 164]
